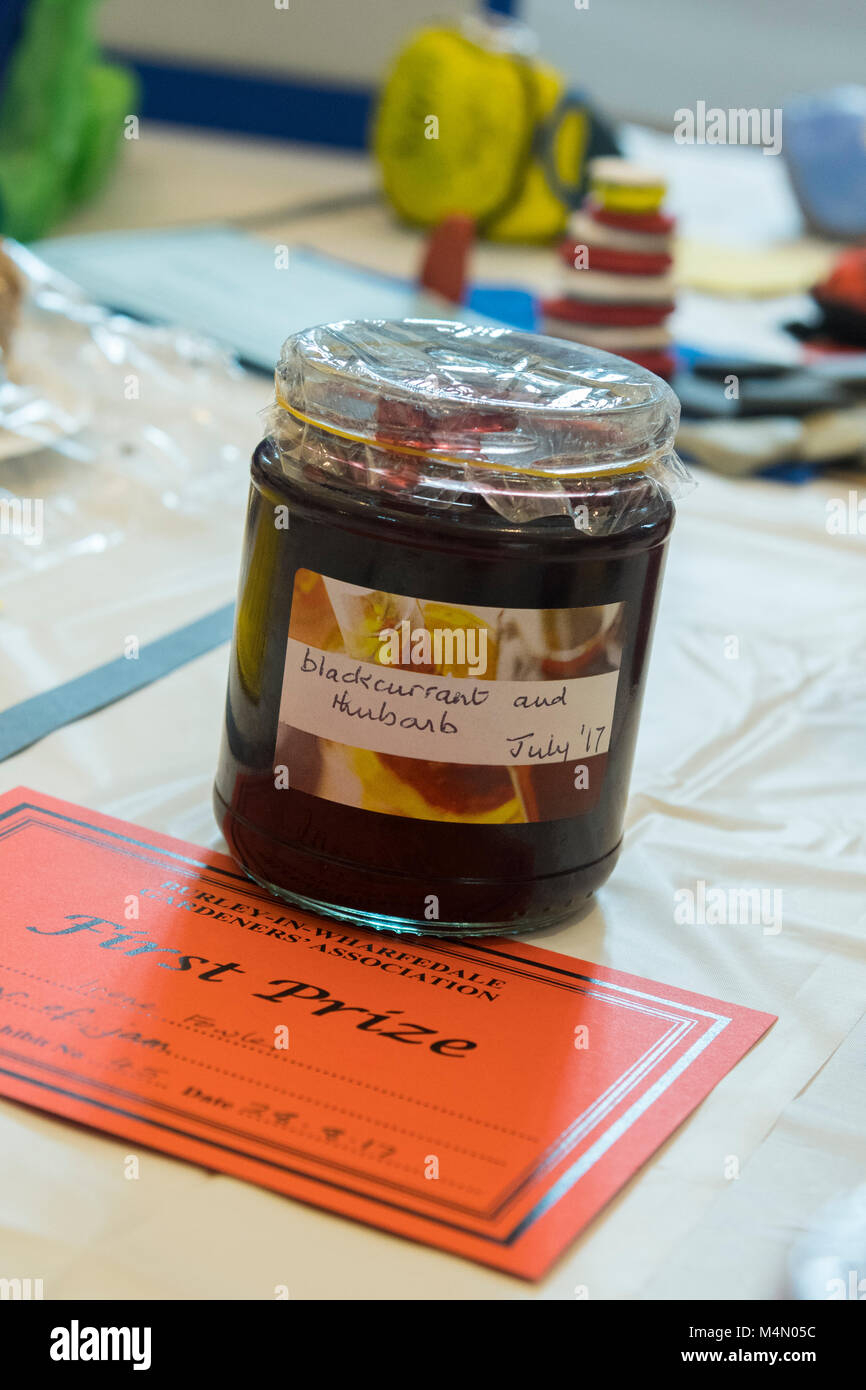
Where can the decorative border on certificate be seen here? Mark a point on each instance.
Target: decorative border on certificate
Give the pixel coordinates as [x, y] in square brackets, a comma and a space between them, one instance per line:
[660, 1036]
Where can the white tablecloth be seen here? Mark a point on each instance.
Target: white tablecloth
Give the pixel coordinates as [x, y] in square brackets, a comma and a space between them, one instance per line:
[750, 774]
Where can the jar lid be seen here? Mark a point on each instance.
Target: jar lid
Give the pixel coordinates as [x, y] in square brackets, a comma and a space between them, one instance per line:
[482, 396]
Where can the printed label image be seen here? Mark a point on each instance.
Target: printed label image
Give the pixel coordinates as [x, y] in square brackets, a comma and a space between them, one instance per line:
[441, 711]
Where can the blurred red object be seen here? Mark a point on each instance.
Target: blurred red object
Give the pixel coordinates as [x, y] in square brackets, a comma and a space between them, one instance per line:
[842, 298]
[846, 282]
[445, 269]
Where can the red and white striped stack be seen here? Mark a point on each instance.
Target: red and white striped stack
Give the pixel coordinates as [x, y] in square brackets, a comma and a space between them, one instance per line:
[616, 289]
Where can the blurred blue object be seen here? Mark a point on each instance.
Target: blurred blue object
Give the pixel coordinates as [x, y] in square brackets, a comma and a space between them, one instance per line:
[794, 473]
[11, 23]
[824, 147]
[517, 308]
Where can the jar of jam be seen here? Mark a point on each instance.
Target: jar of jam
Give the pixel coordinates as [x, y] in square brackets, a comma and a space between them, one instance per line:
[454, 544]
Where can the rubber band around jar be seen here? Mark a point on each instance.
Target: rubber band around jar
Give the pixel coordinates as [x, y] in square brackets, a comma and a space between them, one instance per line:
[642, 466]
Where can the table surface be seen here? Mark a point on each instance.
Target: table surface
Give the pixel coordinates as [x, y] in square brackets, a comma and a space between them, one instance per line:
[749, 774]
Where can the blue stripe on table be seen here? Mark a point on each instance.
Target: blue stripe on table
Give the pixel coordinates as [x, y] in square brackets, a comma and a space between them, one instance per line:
[320, 114]
[31, 720]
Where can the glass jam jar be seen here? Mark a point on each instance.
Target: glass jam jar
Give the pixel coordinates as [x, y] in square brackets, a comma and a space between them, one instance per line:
[453, 551]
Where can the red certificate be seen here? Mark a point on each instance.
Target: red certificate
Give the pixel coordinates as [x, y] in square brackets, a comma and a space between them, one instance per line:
[486, 1097]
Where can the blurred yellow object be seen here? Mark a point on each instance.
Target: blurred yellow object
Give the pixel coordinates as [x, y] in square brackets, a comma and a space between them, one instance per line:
[385, 790]
[615, 198]
[465, 127]
[620, 186]
[754, 274]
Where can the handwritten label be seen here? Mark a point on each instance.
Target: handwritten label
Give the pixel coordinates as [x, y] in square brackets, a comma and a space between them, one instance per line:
[442, 718]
